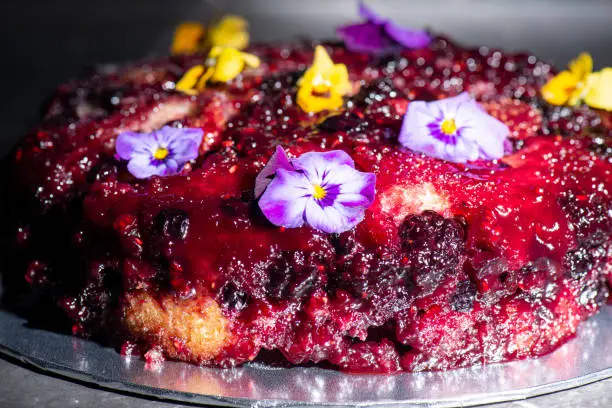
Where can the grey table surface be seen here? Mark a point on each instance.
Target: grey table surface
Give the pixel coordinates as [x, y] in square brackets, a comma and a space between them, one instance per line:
[45, 42]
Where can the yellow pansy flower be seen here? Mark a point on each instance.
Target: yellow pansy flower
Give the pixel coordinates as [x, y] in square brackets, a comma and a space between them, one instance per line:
[222, 65]
[599, 90]
[323, 85]
[230, 31]
[188, 38]
[568, 87]
[192, 37]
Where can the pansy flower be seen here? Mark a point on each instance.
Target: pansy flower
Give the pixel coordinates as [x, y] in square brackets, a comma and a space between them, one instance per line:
[231, 31]
[322, 190]
[188, 38]
[163, 152]
[192, 37]
[323, 84]
[599, 90]
[456, 129]
[568, 87]
[222, 65]
[378, 35]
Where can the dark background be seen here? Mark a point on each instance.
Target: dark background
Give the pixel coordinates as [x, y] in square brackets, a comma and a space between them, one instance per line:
[44, 42]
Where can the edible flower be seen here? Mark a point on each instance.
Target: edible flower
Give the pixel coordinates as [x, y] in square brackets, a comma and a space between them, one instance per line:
[456, 129]
[568, 87]
[191, 37]
[163, 152]
[188, 38]
[599, 90]
[323, 85]
[322, 190]
[231, 31]
[222, 65]
[378, 35]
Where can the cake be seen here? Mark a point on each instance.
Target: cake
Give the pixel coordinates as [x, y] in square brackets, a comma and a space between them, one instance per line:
[451, 264]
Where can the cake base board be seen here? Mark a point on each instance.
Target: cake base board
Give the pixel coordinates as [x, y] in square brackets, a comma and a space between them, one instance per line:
[582, 360]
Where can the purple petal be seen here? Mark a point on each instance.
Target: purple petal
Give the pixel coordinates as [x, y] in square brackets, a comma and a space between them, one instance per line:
[365, 37]
[409, 38]
[284, 201]
[169, 134]
[331, 219]
[130, 142]
[367, 13]
[358, 190]
[316, 166]
[185, 147]
[141, 166]
[279, 160]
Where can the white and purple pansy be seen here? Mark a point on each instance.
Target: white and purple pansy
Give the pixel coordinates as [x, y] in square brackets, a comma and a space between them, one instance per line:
[377, 35]
[163, 152]
[456, 129]
[322, 190]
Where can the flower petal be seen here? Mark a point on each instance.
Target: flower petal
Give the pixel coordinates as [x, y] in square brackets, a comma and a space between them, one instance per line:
[558, 89]
[331, 219]
[279, 160]
[365, 37]
[315, 165]
[141, 166]
[129, 143]
[368, 13]
[184, 143]
[599, 90]
[582, 65]
[407, 37]
[284, 201]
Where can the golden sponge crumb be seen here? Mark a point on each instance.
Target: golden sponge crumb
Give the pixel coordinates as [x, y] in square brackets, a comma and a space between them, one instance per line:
[190, 330]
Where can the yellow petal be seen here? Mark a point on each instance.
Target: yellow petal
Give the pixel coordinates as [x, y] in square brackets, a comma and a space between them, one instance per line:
[231, 31]
[557, 90]
[313, 104]
[187, 38]
[322, 61]
[228, 66]
[251, 60]
[204, 79]
[599, 90]
[189, 80]
[582, 65]
[339, 78]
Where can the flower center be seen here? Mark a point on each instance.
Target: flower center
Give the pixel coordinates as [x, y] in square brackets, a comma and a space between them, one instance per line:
[320, 86]
[161, 153]
[319, 192]
[448, 126]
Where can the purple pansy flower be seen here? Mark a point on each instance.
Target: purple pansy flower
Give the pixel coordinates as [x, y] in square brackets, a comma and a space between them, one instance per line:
[323, 190]
[162, 152]
[378, 35]
[456, 129]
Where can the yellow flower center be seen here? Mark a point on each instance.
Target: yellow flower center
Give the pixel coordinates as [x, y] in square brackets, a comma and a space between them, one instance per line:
[161, 153]
[319, 192]
[448, 126]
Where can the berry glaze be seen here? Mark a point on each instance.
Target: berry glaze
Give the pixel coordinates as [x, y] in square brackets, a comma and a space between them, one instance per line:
[453, 265]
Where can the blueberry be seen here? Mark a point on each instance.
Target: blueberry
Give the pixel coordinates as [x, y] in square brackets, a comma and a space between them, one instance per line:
[432, 245]
[578, 262]
[232, 298]
[463, 298]
[172, 223]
